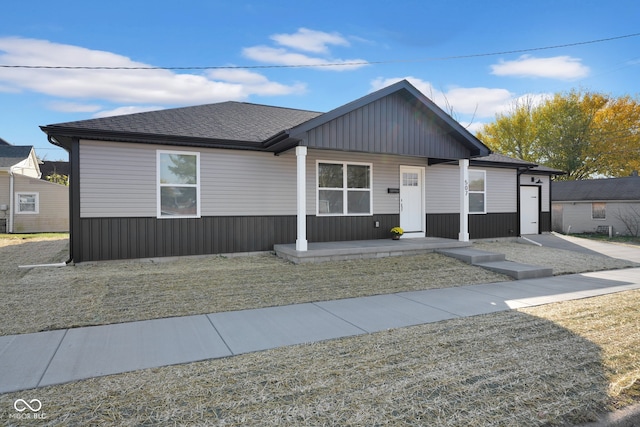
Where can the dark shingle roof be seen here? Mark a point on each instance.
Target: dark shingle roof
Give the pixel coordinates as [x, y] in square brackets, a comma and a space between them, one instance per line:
[501, 158]
[50, 167]
[597, 189]
[3, 142]
[11, 154]
[225, 121]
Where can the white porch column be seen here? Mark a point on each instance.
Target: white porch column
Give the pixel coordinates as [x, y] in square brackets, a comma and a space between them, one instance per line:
[301, 158]
[464, 200]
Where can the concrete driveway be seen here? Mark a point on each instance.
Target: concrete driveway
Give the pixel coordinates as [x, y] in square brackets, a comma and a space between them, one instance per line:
[578, 244]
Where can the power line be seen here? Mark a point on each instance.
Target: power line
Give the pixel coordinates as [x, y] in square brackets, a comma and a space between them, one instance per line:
[339, 64]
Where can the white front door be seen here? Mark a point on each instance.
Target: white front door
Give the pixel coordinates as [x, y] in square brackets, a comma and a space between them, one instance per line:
[529, 210]
[412, 215]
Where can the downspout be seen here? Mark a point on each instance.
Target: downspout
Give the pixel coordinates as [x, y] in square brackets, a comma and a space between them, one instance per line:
[53, 141]
[11, 201]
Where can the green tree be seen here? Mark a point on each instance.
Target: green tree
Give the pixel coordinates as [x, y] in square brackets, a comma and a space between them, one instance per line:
[513, 133]
[58, 178]
[581, 133]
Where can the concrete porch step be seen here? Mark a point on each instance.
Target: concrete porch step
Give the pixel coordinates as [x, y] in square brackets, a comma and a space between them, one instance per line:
[516, 270]
[472, 256]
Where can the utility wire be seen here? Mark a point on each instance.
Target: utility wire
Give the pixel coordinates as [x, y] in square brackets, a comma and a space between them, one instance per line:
[340, 64]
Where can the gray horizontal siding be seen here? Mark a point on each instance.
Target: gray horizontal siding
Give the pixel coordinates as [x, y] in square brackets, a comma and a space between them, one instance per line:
[577, 215]
[386, 174]
[443, 189]
[501, 187]
[390, 125]
[119, 180]
[53, 203]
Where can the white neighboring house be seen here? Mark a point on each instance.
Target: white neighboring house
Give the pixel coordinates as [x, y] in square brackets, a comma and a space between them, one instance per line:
[597, 205]
[27, 203]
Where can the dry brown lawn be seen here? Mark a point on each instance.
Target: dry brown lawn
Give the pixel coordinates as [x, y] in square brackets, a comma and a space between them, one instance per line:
[557, 364]
[46, 298]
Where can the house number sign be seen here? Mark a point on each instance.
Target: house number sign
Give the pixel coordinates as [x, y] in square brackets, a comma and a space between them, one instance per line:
[466, 187]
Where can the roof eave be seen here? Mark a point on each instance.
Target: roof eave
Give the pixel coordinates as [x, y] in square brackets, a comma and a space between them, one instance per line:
[64, 134]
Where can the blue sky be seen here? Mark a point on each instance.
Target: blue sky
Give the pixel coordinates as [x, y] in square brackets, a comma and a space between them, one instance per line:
[374, 43]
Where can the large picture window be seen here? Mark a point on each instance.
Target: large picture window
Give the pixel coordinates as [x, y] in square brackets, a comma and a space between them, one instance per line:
[28, 203]
[344, 188]
[178, 184]
[477, 192]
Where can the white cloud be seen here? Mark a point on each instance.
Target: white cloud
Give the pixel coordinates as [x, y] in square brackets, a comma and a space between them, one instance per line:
[310, 40]
[72, 107]
[281, 56]
[255, 83]
[162, 87]
[305, 40]
[557, 67]
[477, 101]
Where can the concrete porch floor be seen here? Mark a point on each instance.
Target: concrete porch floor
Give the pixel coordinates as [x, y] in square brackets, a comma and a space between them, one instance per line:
[359, 249]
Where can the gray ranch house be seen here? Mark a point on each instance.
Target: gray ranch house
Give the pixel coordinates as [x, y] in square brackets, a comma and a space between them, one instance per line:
[241, 177]
[610, 205]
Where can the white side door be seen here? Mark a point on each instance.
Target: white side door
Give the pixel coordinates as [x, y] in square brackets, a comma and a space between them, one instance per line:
[529, 210]
[412, 213]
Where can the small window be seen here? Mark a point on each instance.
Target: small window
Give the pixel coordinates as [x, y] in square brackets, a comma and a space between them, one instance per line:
[344, 189]
[178, 184]
[27, 203]
[599, 210]
[477, 192]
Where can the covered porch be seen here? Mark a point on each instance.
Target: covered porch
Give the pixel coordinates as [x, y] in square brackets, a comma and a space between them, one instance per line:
[359, 249]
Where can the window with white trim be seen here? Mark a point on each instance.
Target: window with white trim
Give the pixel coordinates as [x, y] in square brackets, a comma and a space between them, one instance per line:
[344, 188]
[178, 184]
[477, 192]
[598, 210]
[27, 203]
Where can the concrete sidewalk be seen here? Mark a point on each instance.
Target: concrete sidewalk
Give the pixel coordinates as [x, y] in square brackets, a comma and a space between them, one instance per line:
[46, 358]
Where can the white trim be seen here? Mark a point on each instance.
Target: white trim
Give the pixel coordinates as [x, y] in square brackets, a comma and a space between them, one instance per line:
[344, 188]
[27, 193]
[159, 185]
[463, 235]
[484, 180]
[423, 215]
[301, 194]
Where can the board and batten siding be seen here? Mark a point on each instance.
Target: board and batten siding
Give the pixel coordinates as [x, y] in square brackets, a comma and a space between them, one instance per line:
[390, 125]
[119, 180]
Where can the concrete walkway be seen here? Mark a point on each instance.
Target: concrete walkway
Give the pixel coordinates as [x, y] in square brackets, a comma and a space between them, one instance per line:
[46, 358]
